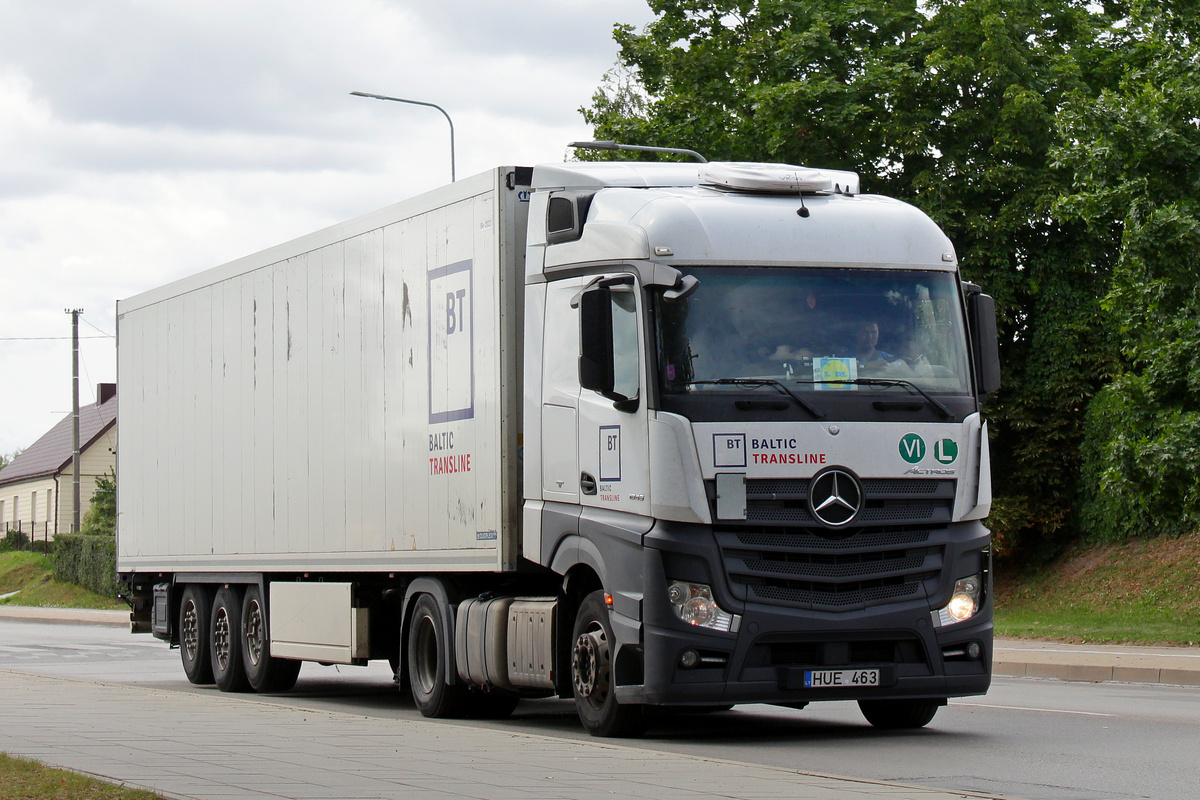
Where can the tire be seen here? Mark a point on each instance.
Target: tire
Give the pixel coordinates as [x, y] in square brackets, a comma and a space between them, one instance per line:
[899, 714]
[592, 679]
[427, 662]
[226, 641]
[194, 611]
[264, 672]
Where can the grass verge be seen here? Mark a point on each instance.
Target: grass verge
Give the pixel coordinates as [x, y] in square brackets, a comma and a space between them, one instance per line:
[1140, 592]
[31, 575]
[22, 779]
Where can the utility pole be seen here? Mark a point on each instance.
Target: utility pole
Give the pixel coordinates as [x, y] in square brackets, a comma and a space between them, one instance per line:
[75, 312]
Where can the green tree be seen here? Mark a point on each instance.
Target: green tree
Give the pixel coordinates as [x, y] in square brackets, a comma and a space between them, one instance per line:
[952, 106]
[101, 516]
[1135, 154]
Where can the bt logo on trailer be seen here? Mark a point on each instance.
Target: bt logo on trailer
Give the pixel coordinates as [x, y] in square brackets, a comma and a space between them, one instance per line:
[456, 319]
[451, 343]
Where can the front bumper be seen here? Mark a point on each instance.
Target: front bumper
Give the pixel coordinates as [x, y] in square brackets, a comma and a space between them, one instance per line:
[765, 661]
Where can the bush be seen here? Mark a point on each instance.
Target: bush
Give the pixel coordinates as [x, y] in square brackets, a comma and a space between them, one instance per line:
[101, 516]
[87, 561]
[14, 540]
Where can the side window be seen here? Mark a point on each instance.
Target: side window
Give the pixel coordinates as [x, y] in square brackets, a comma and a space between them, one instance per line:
[625, 343]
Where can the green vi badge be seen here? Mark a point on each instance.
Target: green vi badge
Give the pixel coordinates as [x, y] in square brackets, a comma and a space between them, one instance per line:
[945, 451]
[912, 448]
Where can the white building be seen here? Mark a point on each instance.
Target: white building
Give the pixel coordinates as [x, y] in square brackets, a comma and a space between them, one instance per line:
[36, 494]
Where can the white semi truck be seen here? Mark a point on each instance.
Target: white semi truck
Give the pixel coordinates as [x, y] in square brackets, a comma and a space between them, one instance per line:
[641, 434]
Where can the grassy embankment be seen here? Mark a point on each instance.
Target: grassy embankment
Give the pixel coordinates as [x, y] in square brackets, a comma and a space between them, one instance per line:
[1141, 592]
[21, 779]
[31, 576]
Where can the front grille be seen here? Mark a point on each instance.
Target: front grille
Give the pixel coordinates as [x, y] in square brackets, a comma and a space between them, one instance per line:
[893, 552]
[886, 501]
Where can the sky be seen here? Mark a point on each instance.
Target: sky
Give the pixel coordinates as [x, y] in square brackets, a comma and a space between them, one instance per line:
[143, 140]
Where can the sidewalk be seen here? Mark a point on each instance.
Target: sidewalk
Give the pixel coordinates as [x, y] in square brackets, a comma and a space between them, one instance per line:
[1020, 658]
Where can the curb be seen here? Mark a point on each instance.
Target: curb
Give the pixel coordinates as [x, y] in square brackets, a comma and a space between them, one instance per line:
[67, 616]
[1019, 658]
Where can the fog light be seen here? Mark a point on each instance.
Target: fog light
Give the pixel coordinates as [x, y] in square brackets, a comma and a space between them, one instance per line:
[694, 604]
[689, 659]
[974, 651]
[964, 602]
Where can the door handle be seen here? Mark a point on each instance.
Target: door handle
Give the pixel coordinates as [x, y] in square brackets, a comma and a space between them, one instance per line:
[587, 483]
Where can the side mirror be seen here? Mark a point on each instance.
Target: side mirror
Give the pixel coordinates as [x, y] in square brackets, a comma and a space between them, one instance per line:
[596, 341]
[981, 316]
[604, 368]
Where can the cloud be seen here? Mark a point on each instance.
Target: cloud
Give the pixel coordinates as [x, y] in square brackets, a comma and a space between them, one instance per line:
[143, 141]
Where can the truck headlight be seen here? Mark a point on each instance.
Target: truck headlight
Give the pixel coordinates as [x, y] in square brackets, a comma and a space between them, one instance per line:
[964, 602]
[694, 604]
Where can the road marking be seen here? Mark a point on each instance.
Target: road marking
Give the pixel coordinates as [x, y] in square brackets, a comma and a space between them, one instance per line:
[1044, 710]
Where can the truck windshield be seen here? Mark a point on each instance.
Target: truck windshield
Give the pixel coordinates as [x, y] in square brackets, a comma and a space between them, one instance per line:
[811, 329]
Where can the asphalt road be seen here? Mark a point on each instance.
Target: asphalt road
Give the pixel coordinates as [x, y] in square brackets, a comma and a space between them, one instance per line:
[1028, 738]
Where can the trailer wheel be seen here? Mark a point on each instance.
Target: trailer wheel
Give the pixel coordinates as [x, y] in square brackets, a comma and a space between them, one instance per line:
[194, 651]
[427, 662]
[592, 678]
[265, 672]
[226, 633]
[899, 714]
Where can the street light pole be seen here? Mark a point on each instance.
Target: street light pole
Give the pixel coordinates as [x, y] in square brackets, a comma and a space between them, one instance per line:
[419, 103]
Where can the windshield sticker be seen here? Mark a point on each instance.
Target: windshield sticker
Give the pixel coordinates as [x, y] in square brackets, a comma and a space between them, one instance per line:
[829, 373]
[729, 449]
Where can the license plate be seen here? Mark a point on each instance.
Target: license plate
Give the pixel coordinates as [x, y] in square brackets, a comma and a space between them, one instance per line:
[833, 678]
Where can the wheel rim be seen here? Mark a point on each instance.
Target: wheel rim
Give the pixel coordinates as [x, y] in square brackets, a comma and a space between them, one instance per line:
[221, 644]
[426, 662]
[590, 665]
[254, 633]
[190, 631]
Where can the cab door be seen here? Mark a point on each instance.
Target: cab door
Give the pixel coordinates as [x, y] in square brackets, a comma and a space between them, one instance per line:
[613, 444]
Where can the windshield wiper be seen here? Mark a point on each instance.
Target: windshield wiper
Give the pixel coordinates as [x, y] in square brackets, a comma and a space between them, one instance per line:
[758, 382]
[933, 401]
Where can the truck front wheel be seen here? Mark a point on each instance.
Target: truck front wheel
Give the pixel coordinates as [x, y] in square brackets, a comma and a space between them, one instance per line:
[427, 662]
[194, 610]
[264, 672]
[899, 714]
[592, 680]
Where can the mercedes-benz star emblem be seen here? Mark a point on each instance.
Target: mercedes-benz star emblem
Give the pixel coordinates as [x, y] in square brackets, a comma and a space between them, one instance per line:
[834, 497]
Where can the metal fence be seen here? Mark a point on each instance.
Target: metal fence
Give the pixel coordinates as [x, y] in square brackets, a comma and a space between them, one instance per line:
[21, 535]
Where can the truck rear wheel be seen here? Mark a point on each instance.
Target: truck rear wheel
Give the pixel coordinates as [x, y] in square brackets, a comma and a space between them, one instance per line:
[427, 662]
[194, 610]
[226, 634]
[899, 714]
[264, 672]
[592, 679]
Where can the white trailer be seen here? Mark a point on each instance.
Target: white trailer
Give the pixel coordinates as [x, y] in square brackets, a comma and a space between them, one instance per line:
[597, 430]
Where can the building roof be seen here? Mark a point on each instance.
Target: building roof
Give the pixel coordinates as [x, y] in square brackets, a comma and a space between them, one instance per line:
[52, 453]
